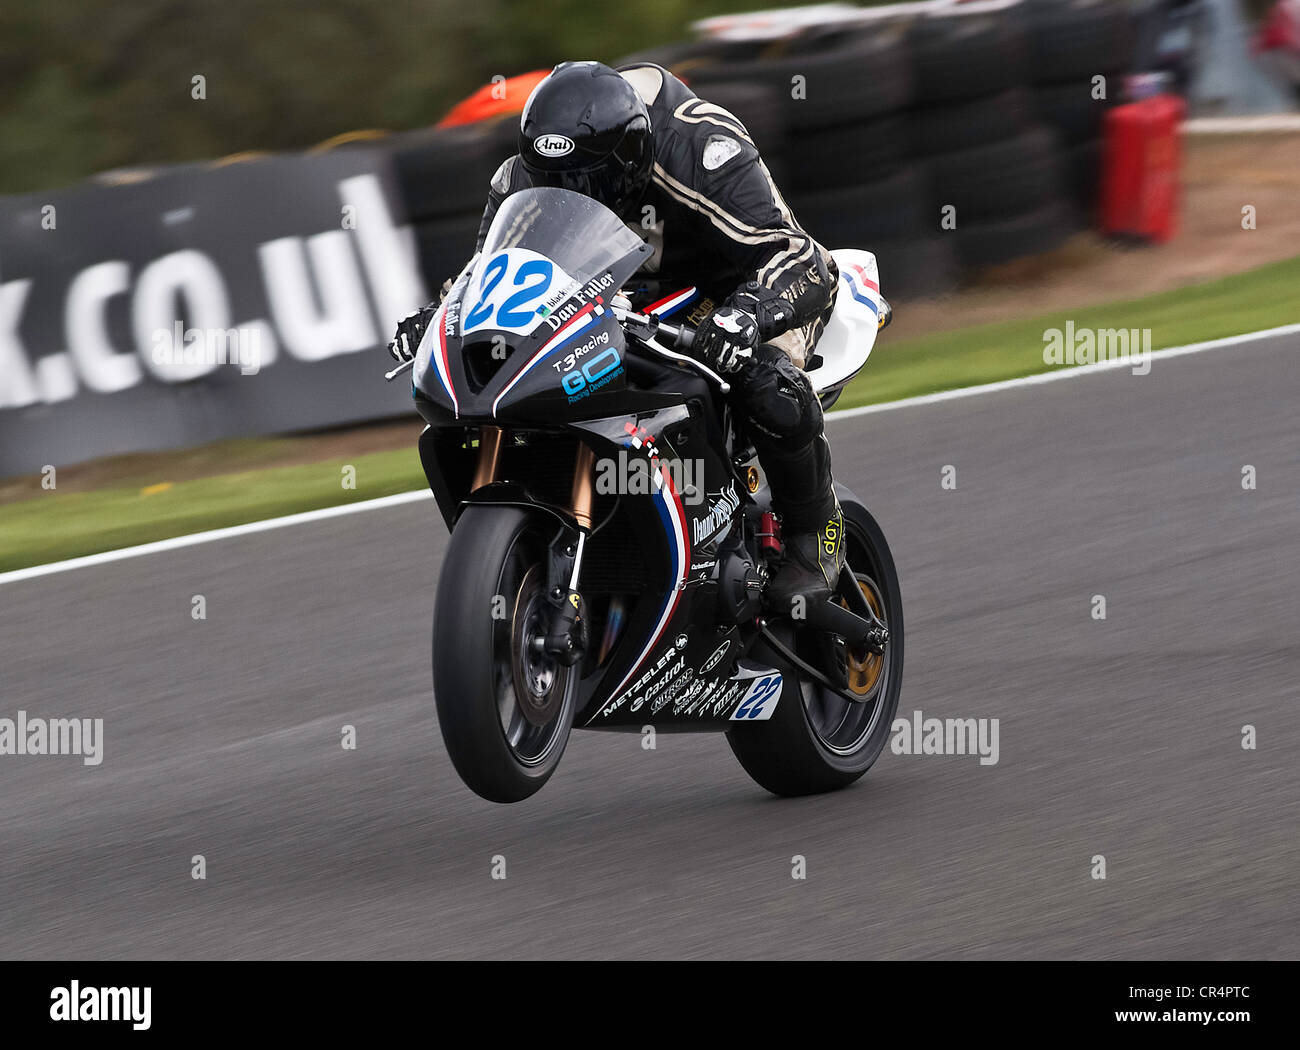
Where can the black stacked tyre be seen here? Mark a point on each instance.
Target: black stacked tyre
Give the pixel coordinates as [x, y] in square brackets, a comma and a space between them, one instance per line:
[995, 177]
[443, 175]
[1079, 51]
[840, 94]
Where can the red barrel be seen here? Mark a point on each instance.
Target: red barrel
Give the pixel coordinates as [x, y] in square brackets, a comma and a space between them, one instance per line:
[1142, 157]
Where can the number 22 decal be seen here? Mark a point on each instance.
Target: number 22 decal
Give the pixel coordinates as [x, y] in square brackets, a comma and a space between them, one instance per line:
[515, 313]
[755, 703]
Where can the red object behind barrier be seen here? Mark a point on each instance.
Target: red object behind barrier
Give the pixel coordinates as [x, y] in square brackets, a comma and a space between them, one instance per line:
[497, 99]
[1140, 170]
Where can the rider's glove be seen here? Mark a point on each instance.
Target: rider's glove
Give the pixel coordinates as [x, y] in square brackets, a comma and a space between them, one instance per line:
[725, 339]
[773, 314]
[410, 330]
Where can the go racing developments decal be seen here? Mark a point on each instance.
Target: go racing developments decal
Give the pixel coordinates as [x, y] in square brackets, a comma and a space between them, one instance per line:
[595, 373]
[579, 382]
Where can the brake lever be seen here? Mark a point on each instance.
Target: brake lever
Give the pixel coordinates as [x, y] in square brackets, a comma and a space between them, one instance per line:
[648, 327]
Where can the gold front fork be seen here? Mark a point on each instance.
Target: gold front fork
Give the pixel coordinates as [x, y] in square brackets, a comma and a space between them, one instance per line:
[582, 495]
[583, 481]
[489, 456]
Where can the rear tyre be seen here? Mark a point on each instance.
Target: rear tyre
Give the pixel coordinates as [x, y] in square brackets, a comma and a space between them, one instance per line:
[816, 741]
[505, 710]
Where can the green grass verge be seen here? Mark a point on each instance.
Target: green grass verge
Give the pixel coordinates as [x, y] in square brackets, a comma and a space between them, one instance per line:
[1257, 299]
[67, 525]
[57, 525]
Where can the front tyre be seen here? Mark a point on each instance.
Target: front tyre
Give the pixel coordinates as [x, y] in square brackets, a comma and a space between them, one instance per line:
[504, 707]
[816, 740]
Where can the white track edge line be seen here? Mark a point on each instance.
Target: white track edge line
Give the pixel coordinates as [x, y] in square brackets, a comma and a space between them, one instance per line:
[195, 538]
[1266, 122]
[306, 517]
[1074, 372]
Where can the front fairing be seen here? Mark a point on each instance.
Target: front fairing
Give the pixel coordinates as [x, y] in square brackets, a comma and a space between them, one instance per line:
[526, 333]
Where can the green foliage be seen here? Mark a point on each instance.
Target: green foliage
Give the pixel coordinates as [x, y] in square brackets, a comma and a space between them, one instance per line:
[87, 85]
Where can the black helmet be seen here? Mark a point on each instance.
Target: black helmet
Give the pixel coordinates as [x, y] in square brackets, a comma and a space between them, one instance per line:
[585, 128]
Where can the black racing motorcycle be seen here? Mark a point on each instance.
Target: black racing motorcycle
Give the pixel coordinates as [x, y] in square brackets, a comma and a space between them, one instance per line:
[611, 532]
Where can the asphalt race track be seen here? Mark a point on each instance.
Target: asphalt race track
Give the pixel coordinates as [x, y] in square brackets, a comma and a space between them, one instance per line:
[1119, 738]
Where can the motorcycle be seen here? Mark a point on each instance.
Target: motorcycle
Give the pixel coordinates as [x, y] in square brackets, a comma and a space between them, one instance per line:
[611, 528]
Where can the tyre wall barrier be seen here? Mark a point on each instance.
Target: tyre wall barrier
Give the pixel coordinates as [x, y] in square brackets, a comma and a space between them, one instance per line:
[944, 138]
[199, 303]
[876, 128]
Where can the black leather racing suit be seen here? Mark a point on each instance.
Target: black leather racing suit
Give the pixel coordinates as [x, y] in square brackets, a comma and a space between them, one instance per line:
[717, 221]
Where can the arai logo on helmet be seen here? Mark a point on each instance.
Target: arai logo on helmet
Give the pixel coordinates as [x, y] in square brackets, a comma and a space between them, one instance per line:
[553, 145]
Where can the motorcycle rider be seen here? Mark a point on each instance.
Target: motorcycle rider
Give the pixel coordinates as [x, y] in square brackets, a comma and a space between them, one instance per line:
[685, 175]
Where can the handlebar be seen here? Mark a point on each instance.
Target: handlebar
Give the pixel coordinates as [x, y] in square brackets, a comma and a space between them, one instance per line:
[683, 337]
[648, 327]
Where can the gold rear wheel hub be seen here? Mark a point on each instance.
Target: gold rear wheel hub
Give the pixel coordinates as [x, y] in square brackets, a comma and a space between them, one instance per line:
[864, 667]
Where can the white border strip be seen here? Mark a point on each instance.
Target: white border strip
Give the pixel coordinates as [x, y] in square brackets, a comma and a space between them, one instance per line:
[194, 539]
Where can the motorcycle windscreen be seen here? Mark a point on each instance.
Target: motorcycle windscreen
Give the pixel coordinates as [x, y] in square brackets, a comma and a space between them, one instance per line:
[545, 247]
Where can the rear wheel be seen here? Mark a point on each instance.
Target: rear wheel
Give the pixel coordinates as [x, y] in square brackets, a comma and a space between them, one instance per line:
[505, 708]
[816, 740]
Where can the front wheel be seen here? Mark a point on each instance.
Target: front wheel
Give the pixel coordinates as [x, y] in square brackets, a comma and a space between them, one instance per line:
[505, 708]
[816, 740]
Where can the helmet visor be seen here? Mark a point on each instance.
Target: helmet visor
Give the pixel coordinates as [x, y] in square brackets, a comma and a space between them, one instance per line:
[597, 181]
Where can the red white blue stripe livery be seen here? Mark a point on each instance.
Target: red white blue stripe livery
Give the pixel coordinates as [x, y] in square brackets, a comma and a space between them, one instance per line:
[862, 286]
[438, 354]
[673, 518]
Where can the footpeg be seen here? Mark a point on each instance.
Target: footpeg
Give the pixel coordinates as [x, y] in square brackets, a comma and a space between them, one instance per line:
[833, 617]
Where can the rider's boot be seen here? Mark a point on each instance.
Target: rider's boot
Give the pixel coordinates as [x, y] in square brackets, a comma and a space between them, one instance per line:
[810, 566]
[813, 558]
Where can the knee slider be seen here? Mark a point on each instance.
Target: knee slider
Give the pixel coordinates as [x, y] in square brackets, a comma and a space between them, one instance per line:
[779, 401]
